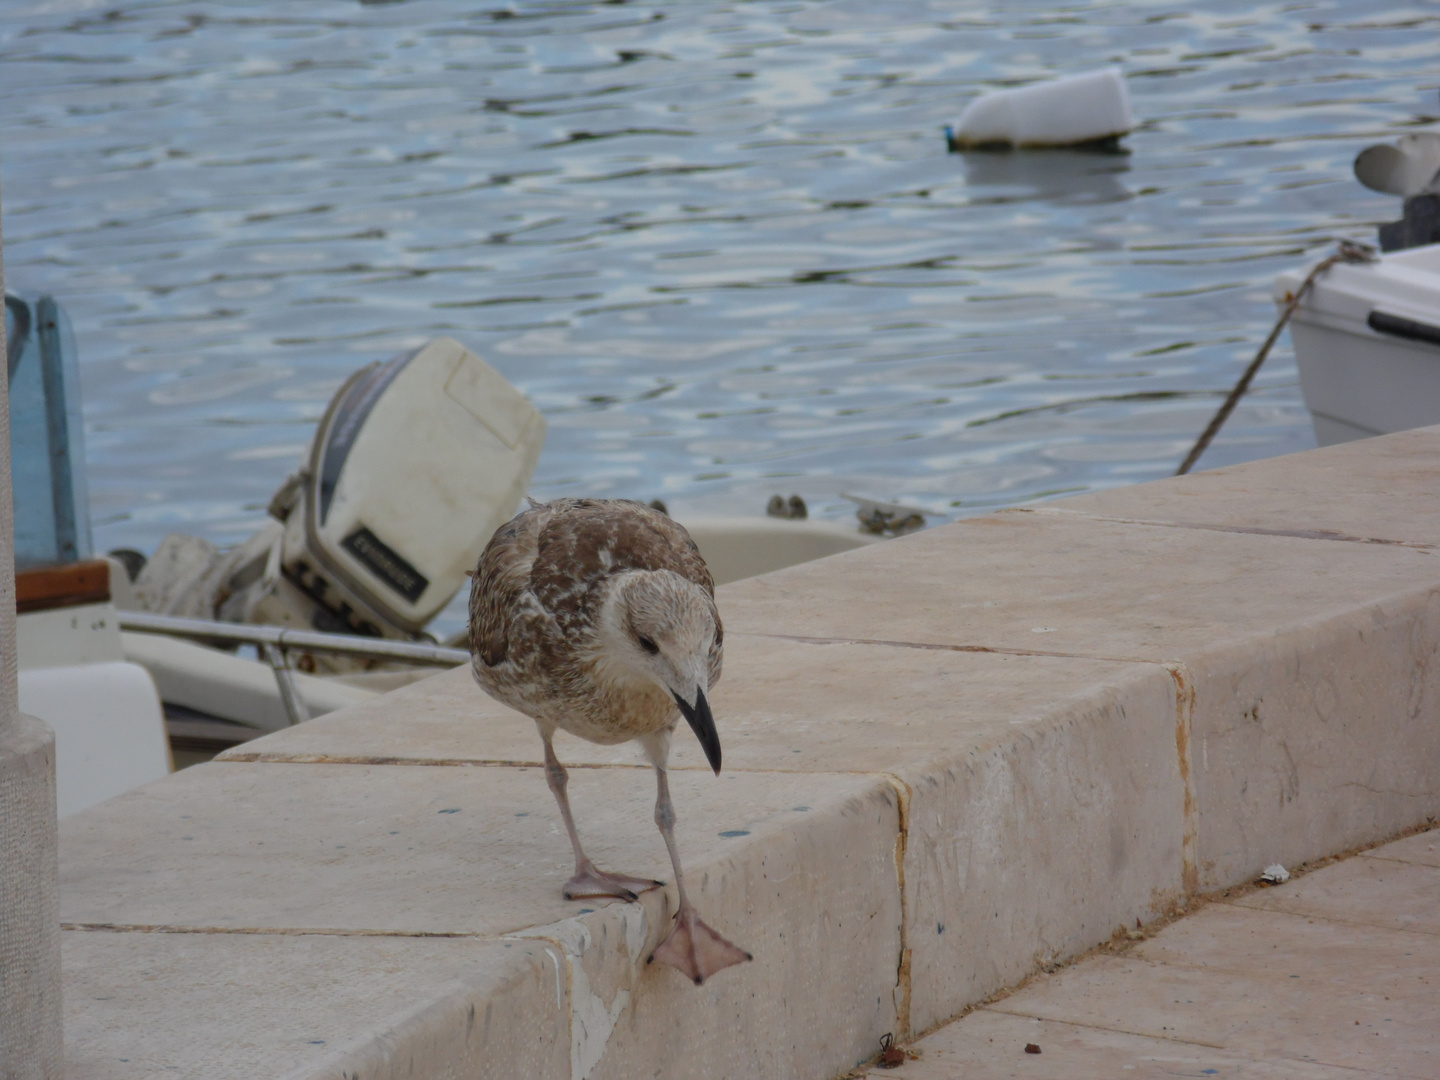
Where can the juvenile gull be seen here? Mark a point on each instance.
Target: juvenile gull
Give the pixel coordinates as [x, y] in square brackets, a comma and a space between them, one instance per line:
[598, 616]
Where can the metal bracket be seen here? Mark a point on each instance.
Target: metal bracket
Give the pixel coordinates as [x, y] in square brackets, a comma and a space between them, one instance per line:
[279, 660]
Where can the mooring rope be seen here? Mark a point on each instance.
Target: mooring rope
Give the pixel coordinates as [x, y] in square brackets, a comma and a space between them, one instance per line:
[1348, 251]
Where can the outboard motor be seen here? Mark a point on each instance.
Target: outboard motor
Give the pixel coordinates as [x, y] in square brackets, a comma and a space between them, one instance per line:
[415, 464]
[1410, 168]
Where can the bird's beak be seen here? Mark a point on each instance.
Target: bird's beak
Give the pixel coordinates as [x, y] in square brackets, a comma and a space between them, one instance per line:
[703, 724]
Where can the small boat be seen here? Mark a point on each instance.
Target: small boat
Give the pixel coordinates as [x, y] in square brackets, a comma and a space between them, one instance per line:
[141, 664]
[369, 539]
[1367, 344]
[1367, 333]
[73, 673]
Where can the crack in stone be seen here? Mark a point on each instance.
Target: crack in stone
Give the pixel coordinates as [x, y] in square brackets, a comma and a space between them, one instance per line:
[1106, 1027]
[937, 647]
[1314, 916]
[1396, 859]
[278, 931]
[282, 758]
[1184, 726]
[903, 984]
[1251, 530]
[1386, 791]
[279, 758]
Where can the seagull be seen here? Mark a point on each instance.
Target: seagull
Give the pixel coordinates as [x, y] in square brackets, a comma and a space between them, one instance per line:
[597, 616]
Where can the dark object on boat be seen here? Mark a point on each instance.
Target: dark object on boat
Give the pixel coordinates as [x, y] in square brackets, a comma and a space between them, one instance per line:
[793, 508]
[1398, 326]
[1419, 225]
[882, 517]
[133, 561]
[47, 466]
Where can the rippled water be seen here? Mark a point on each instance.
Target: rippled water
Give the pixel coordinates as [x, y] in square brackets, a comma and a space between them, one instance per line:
[721, 245]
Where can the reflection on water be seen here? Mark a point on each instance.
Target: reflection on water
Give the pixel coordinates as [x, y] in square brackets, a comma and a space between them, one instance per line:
[721, 245]
[1063, 177]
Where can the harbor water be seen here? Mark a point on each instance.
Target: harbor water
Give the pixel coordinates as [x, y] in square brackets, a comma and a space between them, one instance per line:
[720, 245]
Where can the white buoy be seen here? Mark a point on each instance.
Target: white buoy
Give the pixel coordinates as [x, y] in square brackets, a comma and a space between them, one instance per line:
[1076, 109]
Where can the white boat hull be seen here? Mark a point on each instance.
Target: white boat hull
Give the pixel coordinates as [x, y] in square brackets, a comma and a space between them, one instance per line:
[105, 711]
[1359, 381]
[1356, 386]
[742, 547]
[109, 731]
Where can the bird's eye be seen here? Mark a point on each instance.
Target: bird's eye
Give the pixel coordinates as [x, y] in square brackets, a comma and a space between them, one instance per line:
[648, 645]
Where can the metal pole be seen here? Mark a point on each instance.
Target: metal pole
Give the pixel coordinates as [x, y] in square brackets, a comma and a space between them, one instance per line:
[294, 707]
[415, 652]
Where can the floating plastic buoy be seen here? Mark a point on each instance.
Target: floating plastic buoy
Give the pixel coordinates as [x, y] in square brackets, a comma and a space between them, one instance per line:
[1078, 109]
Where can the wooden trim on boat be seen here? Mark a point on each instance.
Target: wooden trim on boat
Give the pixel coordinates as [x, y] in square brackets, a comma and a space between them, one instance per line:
[66, 585]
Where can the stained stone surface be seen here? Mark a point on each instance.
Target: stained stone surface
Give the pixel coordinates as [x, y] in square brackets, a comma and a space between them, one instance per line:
[1345, 492]
[951, 760]
[1315, 979]
[308, 1005]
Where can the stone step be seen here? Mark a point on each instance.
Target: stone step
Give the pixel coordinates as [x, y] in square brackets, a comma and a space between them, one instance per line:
[1331, 976]
[951, 760]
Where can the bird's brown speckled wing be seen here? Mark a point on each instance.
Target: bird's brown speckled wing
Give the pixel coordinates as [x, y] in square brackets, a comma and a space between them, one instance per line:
[498, 594]
[586, 540]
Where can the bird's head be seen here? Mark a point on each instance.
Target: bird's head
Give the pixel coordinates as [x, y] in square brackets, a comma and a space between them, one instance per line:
[658, 626]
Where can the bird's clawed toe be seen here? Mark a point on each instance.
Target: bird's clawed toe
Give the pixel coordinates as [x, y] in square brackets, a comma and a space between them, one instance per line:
[695, 950]
[590, 881]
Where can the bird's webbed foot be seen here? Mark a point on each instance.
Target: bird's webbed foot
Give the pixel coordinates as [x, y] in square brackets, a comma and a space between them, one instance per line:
[695, 950]
[591, 881]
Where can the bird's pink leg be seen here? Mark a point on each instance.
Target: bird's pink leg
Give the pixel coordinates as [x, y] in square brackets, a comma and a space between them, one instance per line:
[691, 947]
[589, 879]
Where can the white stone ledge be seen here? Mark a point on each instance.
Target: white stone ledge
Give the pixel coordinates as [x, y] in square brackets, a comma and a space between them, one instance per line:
[951, 759]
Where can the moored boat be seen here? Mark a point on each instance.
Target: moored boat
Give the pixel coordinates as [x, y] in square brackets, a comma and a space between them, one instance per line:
[1367, 344]
[141, 665]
